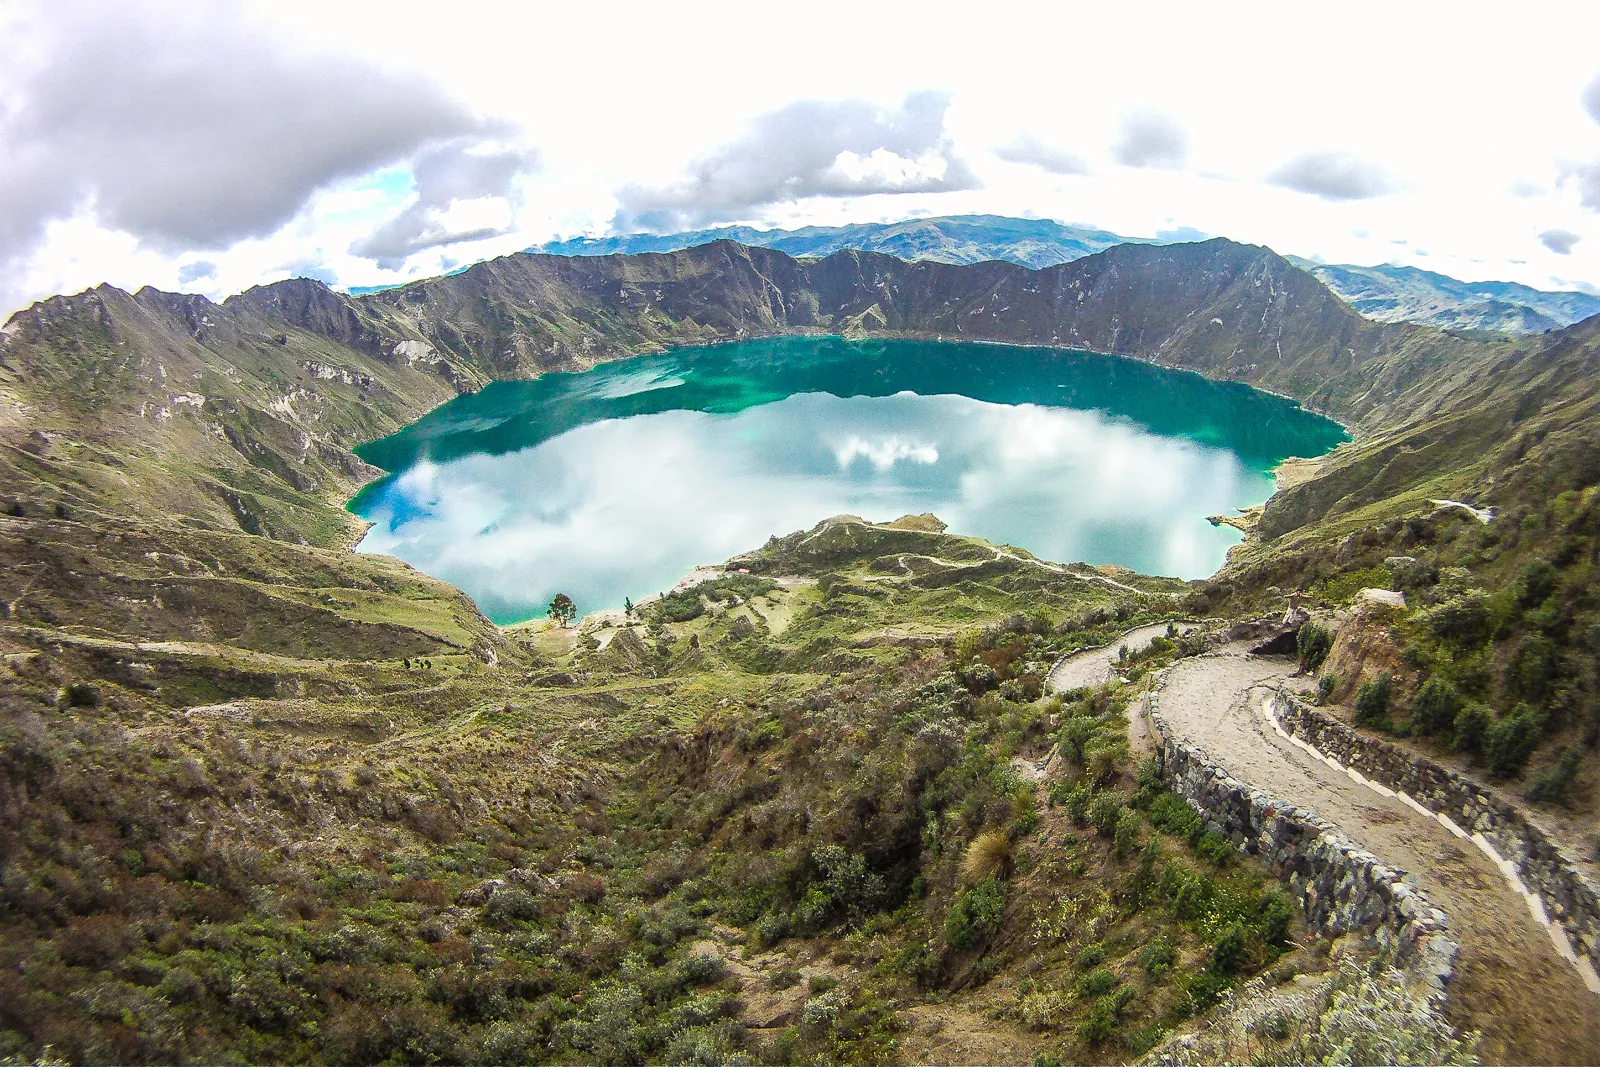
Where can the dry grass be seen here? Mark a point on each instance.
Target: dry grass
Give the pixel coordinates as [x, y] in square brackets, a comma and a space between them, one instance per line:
[988, 856]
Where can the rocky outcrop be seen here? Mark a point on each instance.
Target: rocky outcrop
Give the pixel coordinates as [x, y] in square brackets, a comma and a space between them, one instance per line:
[1558, 893]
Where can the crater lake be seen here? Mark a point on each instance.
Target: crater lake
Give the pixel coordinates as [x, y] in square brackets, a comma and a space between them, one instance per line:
[615, 482]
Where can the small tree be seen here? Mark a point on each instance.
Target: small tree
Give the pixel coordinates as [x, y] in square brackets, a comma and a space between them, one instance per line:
[562, 609]
[1372, 702]
[627, 605]
[1313, 642]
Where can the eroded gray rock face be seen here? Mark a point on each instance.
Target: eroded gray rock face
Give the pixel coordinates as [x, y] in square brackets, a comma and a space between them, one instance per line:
[1341, 888]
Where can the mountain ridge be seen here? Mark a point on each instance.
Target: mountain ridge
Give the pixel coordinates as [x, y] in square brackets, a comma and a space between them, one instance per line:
[1385, 293]
[267, 799]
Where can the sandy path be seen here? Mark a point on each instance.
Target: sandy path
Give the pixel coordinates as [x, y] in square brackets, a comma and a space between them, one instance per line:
[1092, 666]
[1530, 1004]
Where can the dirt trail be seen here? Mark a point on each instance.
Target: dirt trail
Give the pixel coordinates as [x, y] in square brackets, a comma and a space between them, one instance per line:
[1530, 1004]
[1092, 666]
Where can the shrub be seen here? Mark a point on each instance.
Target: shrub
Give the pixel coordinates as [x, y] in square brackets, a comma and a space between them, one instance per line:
[1157, 958]
[1314, 642]
[1533, 667]
[700, 968]
[1171, 814]
[1372, 701]
[1106, 812]
[80, 695]
[1228, 954]
[1325, 687]
[1472, 722]
[770, 929]
[1073, 736]
[509, 905]
[1125, 838]
[849, 886]
[1381, 1019]
[1435, 708]
[1096, 982]
[1077, 804]
[1462, 620]
[1534, 582]
[1091, 955]
[1553, 785]
[784, 978]
[1511, 739]
[1274, 918]
[1147, 776]
[1214, 847]
[976, 914]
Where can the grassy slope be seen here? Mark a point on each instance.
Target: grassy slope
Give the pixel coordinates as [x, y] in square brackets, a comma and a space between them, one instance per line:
[249, 777]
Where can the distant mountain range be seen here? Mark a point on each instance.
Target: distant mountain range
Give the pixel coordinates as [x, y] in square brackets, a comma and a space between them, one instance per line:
[952, 239]
[1407, 294]
[1385, 293]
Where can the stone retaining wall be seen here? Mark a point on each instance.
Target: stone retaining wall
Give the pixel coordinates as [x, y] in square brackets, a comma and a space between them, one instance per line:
[1341, 888]
[1558, 894]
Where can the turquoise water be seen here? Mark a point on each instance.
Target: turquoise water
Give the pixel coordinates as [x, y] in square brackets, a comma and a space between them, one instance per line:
[618, 481]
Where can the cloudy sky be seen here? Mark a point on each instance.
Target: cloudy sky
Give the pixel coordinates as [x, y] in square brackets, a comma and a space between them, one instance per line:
[210, 147]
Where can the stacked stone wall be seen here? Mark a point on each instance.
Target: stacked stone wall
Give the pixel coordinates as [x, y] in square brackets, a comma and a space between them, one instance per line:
[1557, 892]
[1341, 888]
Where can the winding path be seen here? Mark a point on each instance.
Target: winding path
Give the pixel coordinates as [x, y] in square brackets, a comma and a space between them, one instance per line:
[1092, 666]
[1530, 1004]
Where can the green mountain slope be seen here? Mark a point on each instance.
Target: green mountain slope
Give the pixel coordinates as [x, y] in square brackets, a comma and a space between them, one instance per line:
[265, 799]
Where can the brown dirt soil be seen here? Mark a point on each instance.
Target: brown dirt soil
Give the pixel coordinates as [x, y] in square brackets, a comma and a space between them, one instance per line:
[1530, 1004]
[964, 1033]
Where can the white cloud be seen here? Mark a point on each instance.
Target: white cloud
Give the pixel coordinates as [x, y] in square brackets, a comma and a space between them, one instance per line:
[1152, 140]
[1333, 176]
[291, 108]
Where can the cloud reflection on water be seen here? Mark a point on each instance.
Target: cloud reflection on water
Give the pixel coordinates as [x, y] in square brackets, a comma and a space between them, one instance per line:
[625, 506]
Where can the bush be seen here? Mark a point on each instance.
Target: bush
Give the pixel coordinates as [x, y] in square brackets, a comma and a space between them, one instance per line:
[988, 856]
[1435, 708]
[1171, 814]
[80, 695]
[1461, 620]
[1125, 838]
[1096, 982]
[1472, 722]
[1511, 739]
[1229, 953]
[1533, 667]
[1274, 918]
[1073, 736]
[1214, 847]
[1077, 804]
[1553, 785]
[1157, 958]
[509, 905]
[976, 915]
[1091, 955]
[1106, 812]
[1314, 642]
[1325, 687]
[1372, 701]
[770, 929]
[1534, 582]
